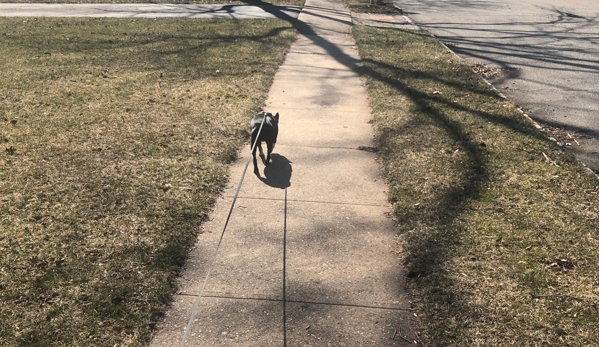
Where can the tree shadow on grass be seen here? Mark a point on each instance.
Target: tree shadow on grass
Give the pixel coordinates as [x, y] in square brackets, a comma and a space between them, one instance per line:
[430, 219]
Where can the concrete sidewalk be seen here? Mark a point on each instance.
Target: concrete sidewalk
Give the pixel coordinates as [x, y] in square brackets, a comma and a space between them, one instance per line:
[309, 256]
[148, 10]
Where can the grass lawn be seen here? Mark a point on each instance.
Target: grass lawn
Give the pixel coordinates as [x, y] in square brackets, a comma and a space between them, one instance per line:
[499, 226]
[115, 136]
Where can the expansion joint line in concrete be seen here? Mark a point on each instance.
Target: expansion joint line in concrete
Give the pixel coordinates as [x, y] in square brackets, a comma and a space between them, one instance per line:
[310, 53]
[319, 54]
[329, 147]
[285, 272]
[314, 201]
[349, 305]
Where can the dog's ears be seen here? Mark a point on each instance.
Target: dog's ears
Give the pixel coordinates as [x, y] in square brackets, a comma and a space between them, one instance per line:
[277, 116]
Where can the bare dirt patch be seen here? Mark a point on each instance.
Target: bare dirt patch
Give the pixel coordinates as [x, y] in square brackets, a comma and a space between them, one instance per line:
[374, 7]
[490, 72]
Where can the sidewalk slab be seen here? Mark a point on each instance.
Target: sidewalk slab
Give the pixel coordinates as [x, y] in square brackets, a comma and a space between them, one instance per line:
[318, 174]
[324, 174]
[337, 64]
[322, 18]
[348, 326]
[342, 254]
[328, 129]
[305, 44]
[320, 97]
[249, 263]
[223, 322]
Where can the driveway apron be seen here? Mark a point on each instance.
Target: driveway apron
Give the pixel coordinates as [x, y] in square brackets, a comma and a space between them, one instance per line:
[309, 256]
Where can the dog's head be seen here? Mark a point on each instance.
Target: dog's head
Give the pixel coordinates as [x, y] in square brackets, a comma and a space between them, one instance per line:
[267, 117]
[275, 118]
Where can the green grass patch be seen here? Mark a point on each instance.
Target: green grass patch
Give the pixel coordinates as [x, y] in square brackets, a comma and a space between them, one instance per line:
[499, 225]
[115, 137]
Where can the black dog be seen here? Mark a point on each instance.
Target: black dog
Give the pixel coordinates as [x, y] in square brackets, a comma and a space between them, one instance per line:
[268, 134]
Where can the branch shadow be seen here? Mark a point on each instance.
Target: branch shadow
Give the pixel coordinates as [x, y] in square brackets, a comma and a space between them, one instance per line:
[555, 51]
[433, 250]
[432, 227]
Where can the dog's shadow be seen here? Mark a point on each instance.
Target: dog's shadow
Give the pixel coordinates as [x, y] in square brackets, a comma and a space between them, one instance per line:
[278, 173]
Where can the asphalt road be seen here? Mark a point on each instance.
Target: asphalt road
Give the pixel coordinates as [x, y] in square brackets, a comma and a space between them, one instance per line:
[548, 50]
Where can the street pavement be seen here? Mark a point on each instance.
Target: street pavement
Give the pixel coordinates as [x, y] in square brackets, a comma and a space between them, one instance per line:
[549, 50]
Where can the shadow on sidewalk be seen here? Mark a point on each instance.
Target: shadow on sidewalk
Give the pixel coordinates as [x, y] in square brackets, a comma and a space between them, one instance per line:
[278, 173]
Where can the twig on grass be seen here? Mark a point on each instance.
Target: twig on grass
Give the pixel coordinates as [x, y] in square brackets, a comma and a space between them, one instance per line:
[549, 160]
[403, 338]
[395, 333]
[572, 137]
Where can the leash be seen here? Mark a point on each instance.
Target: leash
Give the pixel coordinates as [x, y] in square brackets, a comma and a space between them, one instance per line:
[199, 297]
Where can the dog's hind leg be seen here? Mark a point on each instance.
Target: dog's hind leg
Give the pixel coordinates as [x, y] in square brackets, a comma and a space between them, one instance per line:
[270, 147]
[259, 145]
[256, 171]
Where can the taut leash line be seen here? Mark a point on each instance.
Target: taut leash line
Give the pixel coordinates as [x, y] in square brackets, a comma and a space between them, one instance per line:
[199, 297]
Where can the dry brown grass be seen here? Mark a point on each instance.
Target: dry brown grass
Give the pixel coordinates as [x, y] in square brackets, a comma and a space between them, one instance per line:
[499, 225]
[373, 6]
[115, 136]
